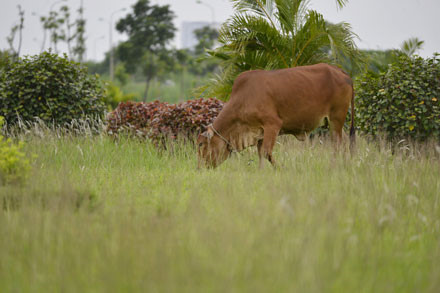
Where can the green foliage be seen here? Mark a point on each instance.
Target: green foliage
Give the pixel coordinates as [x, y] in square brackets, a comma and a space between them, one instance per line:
[403, 101]
[378, 61]
[80, 30]
[14, 166]
[200, 62]
[176, 87]
[61, 28]
[5, 59]
[114, 96]
[206, 37]
[49, 87]
[121, 74]
[274, 34]
[101, 68]
[149, 29]
[411, 46]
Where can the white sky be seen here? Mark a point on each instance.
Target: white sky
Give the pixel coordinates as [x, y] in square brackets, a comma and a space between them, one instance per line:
[380, 24]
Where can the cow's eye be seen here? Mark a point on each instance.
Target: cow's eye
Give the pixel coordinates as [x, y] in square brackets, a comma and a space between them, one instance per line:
[200, 144]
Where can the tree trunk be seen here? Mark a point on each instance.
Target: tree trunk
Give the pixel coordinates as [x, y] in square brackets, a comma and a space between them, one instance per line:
[147, 87]
[182, 85]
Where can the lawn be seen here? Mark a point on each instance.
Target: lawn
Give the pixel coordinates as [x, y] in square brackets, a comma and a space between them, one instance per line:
[104, 215]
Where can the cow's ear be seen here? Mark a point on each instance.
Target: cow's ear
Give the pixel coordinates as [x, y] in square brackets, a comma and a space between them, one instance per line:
[209, 133]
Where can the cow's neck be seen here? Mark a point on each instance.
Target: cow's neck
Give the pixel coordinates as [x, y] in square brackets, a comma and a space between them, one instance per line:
[223, 126]
[238, 135]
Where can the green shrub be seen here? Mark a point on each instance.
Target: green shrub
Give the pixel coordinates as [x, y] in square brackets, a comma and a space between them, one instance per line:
[114, 96]
[5, 59]
[49, 87]
[14, 165]
[403, 102]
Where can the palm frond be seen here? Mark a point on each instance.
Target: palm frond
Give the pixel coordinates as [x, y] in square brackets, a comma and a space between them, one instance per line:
[291, 14]
[411, 46]
[273, 34]
[341, 3]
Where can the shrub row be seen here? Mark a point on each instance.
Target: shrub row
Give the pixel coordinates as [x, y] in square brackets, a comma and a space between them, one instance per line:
[158, 120]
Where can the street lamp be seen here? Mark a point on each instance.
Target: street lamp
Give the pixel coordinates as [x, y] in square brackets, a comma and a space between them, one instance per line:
[210, 7]
[50, 12]
[112, 58]
[55, 3]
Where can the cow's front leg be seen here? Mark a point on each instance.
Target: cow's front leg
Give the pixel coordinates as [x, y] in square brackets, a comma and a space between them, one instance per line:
[266, 146]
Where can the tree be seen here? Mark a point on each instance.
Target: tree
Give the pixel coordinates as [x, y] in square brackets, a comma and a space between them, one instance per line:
[61, 28]
[68, 37]
[274, 34]
[80, 30]
[149, 29]
[206, 37]
[201, 64]
[155, 65]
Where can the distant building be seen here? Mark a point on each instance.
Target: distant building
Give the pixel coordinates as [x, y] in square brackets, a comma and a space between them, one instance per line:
[188, 38]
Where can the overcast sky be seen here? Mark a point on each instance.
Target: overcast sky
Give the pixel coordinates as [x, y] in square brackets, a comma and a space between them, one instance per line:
[380, 24]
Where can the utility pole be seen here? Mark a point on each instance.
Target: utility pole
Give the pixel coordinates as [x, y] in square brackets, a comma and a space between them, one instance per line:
[112, 56]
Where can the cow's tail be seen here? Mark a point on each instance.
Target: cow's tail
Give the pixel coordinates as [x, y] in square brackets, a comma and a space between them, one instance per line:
[352, 129]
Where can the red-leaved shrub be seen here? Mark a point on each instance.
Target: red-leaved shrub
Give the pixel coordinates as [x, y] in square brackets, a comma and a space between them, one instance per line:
[158, 120]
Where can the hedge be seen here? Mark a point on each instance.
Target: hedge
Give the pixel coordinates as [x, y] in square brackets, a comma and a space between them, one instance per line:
[159, 120]
[403, 102]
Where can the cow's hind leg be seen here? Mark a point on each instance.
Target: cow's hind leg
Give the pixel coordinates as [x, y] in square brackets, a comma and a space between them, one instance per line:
[266, 146]
[336, 128]
[260, 152]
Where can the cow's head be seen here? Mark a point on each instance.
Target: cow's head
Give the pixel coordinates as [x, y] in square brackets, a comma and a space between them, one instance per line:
[212, 149]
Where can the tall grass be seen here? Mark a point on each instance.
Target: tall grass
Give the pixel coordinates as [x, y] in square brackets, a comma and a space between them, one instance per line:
[103, 215]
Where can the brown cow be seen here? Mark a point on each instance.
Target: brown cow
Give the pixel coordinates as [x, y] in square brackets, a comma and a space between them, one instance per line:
[264, 104]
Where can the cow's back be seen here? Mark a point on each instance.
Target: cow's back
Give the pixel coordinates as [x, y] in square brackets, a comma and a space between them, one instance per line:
[301, 97]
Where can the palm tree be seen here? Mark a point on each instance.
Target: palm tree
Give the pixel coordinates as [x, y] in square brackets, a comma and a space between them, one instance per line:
[411, 46]
[274, 34]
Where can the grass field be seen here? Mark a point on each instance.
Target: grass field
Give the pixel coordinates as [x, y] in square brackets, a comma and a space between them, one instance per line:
[98, 215]
[177, 88]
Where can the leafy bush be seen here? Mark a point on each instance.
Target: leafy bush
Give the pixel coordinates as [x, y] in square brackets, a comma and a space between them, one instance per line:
[157, 120]
[5, 59]
[49, 87]
[14, 166]
[114, 96]
[403, 102]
